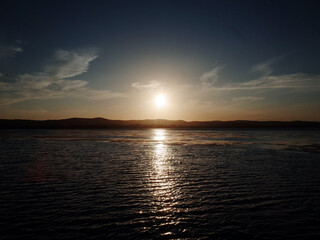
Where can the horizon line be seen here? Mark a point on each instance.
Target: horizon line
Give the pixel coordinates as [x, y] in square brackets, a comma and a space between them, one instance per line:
[158, 119]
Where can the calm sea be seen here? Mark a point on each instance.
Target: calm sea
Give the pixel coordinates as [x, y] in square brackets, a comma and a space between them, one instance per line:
[159, 184]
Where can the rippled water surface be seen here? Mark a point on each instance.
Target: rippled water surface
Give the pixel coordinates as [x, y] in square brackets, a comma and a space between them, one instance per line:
[159, 183]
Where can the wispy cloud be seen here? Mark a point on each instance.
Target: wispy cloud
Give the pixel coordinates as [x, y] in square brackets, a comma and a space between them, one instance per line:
[210, 78]
[265, 68]
[70, 64]
[295, 80]
[53, 82]
[7, 50]
[147, 85]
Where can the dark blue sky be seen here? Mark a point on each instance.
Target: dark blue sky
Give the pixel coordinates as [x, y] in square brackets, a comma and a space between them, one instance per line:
[225, 55]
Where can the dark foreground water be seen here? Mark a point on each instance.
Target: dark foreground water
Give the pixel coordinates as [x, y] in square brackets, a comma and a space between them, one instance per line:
[167, 184]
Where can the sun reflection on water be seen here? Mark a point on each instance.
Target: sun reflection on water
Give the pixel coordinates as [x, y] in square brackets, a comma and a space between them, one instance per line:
[159, 159]
[159, 135]
[163, 181]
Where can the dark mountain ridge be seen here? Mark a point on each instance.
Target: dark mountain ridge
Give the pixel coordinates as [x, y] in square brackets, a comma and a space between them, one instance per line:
[102, 123]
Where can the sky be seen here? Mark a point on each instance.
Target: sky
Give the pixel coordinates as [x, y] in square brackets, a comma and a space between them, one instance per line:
[209, 60]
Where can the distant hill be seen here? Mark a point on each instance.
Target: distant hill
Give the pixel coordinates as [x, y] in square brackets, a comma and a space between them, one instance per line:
[102, 123]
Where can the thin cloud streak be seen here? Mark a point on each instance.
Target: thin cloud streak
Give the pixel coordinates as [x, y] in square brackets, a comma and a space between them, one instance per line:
[149, 85]
[212, 81]
[247, 99]
[296, 80]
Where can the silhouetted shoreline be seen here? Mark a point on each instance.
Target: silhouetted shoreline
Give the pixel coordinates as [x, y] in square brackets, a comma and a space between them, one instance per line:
[102, 123]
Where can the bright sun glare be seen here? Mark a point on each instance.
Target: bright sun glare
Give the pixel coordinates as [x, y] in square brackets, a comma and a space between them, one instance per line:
[160, 100]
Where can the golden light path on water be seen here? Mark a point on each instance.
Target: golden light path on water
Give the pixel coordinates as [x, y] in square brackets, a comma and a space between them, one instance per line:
[163, 181]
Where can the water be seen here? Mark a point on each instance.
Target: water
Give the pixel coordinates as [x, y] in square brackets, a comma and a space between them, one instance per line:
[159, 183]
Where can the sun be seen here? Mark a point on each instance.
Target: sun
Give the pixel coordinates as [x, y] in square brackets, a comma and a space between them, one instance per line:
[160, 100]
